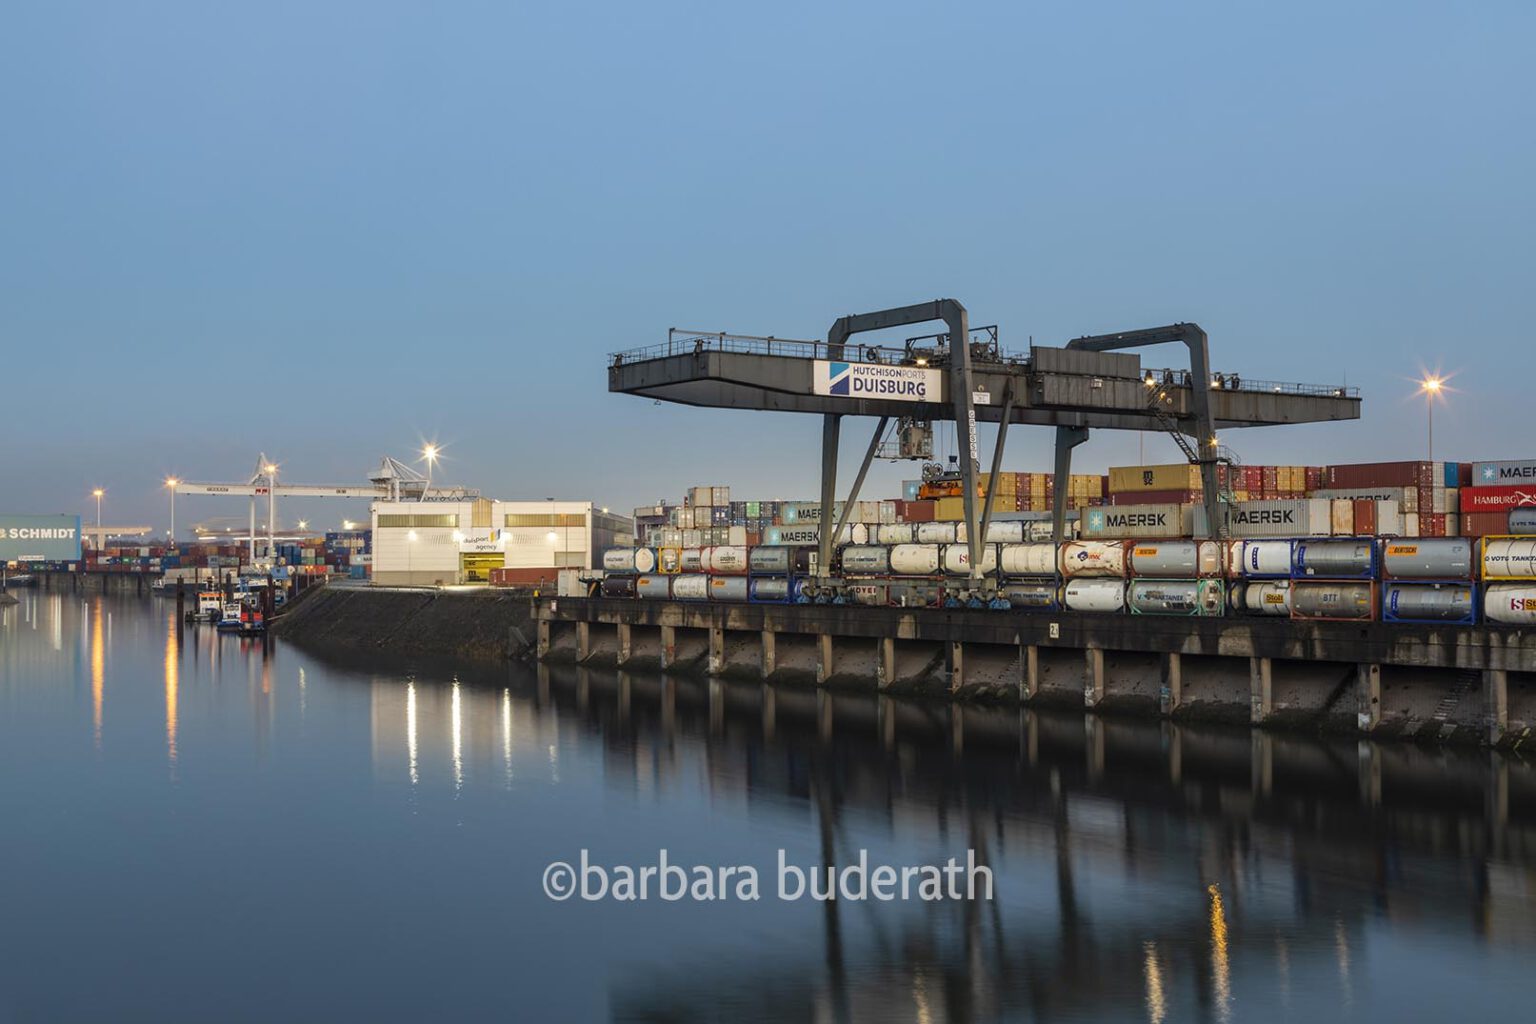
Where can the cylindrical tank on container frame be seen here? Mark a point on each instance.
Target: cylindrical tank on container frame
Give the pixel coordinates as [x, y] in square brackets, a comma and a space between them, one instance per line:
[1429, 602]
[1522, 521]
[1261, 559]
[1174, 559]
[1345, 600]
[865, 560]
[618, 586]
[914, 560]
[691, 560]
[727, 588]
[763, 559]
[896, 533]
[1084, 558]
[1027, 594]
[1094, 595]
[725, 560]
[1428, 558]
[690, 587]
[1510, 603]
[872, 592]
[957, 559]
[1028, 559]
[935, 533]
[1335, 559]
[653, 587]
[1509, 558]
[769, 589]
[1262, 597]
[629, 560]
[1176, 597]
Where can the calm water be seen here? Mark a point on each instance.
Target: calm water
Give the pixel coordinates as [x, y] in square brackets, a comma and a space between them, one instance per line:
[196, 828]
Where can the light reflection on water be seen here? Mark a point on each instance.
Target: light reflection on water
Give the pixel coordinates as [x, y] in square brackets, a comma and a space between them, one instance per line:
[375, 839]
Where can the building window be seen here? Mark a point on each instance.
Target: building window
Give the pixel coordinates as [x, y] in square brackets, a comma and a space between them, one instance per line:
[418, 519]
[546, 519]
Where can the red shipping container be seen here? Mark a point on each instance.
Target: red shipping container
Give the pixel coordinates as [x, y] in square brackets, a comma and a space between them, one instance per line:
[1365, 517]
[1464, 474]
[1496, 499]
[1314, 478]
[1483, 524]
[1382, 474]
[918, 511]
[1432, 524]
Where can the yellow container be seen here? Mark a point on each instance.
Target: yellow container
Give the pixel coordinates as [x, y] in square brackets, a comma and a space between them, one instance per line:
[1177, 477]
[949, 509]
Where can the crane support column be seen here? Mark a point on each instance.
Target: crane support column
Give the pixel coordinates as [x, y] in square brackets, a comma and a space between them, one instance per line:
[858, 481]
[997, 460]
[831, 427]
[1067, 438]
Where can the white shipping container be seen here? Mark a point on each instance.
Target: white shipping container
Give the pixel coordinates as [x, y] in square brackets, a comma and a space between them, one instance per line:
[888, 512]
[736, 535]
[1500, 474]
[1410, 524]
[721, 496]
[1095, 595]
[1407, 498]
[1341, 517]
[1389, 519]
[1291, 517]
[1132, 521]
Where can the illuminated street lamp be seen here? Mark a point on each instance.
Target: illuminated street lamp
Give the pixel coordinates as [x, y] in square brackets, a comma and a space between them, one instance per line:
[97, 493]
[170, 483]
[1431, 388]
[429, 453]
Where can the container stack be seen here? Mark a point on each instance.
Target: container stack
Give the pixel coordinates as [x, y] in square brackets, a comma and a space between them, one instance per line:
[1509, 579]
[1429, 580]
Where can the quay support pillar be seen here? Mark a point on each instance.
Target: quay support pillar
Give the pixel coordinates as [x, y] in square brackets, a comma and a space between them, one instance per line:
[1496, 703]
[885, 670]
[626, 642]
[716, 650]
[956, 665]
[583, 641]
[668, 646]
[824, 660]
[1029, 672]
[1368, 697]
[1172, 694]
[1261, 689]
[1093, 683]
[542, 649]
[770, 660]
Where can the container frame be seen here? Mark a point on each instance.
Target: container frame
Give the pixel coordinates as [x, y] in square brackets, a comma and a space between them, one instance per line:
[1482, 558]
[1374, 604]
[1474, 611]
[1373, 573]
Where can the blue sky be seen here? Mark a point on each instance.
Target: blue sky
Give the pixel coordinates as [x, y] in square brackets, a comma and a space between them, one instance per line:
[327, 231]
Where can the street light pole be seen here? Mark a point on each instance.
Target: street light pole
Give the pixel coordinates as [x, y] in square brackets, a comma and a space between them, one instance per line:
[171, 483]
[1431, 387]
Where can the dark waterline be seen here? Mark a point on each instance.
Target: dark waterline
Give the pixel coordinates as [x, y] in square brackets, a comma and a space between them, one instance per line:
[199, 828]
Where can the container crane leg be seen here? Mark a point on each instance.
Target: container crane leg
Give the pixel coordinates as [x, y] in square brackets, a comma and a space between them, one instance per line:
[1067, 438]
[858, 481]
[831, 427]
[997, 459]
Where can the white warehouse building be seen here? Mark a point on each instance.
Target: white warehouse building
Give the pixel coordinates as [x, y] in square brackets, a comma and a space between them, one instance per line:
[422, 543]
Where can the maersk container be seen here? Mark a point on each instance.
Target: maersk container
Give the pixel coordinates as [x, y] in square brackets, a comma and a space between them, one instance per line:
[1093, 558]
[1430, 602]
[1094, 595]
[1174, 559]
[914, 559]
[725, 560]
[619, 586]
[957, 559]
[653, 587]
[865, 560]
[1428, 558]
[690, 587]
[629, 560]
[1177, 597]
[1025, 594]
[1509, 559]
[691, 560]
[936, 533]
[1314, 599]
[1335, 559]
[1260, 559]
[1510, 603]
[1028, 560]
[1131, 521]
[1522, 520]
[1265, 597]
[1291, 517]
[896, 533]
[853, 533]
[727, 588]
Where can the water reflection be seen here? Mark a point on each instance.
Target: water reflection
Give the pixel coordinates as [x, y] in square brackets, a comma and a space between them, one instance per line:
[98, 668]
[172, 682]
